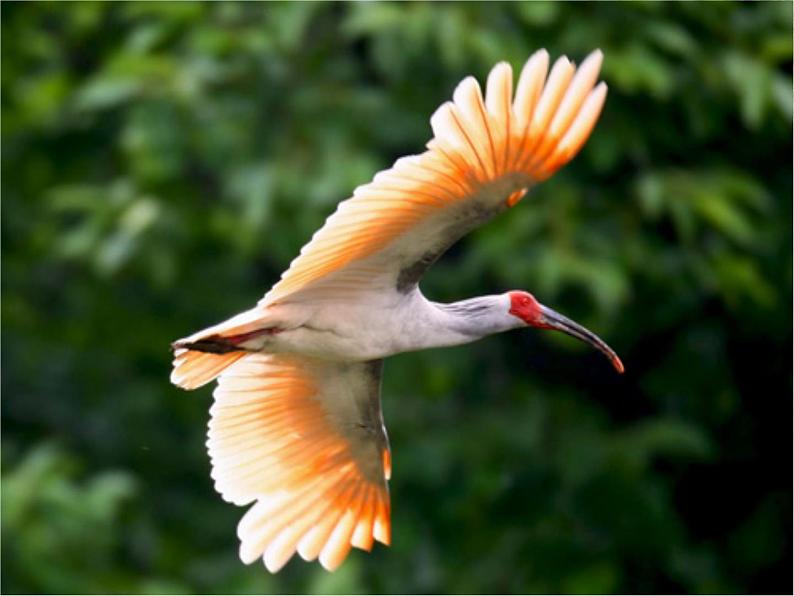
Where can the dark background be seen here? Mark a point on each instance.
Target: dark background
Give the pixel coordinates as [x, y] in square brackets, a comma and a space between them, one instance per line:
[161, 165]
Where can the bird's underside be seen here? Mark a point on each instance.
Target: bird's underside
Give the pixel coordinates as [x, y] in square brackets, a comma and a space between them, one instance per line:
[296, 427]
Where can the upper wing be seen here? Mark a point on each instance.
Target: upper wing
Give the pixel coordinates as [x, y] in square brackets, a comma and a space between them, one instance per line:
[303, 438]
[483, 158]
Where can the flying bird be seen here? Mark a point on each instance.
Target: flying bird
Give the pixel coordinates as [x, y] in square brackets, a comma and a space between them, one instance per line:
[296, 429]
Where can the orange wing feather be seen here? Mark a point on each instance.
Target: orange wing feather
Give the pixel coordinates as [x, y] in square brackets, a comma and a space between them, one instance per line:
[304, 439]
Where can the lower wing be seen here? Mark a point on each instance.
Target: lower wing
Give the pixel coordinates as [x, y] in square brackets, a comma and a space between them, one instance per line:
[303, 440]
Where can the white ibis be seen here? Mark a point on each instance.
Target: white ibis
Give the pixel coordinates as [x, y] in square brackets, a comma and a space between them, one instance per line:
[296, 425]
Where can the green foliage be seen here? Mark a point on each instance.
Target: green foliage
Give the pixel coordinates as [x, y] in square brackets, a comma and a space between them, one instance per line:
[48, 517]
[163, 163]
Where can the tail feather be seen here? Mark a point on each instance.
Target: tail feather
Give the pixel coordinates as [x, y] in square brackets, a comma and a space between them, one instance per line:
[201, 357]
[192, 369]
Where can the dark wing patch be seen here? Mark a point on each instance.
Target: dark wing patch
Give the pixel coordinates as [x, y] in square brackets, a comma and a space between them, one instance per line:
[470, 218]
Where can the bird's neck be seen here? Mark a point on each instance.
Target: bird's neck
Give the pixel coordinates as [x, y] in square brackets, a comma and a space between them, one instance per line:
[469, 320]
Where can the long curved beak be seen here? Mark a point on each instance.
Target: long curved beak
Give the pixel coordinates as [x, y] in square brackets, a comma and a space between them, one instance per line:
[551, 319]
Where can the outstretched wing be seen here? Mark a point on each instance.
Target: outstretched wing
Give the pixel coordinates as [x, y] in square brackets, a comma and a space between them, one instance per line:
[304, 440]
[484, 156]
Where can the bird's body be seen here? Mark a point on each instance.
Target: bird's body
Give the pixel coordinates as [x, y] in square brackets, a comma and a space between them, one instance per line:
[296, 426]
[369, 328]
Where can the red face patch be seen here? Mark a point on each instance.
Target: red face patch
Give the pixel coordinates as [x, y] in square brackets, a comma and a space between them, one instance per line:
[524, 306]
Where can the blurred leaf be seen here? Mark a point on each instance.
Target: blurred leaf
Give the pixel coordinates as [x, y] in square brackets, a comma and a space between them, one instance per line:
[596, 579]
[662, 438]
[636, 70]
[105, 92]
[49, 517]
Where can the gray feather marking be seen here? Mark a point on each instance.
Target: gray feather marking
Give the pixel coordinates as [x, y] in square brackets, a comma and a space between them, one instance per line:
[472, 216]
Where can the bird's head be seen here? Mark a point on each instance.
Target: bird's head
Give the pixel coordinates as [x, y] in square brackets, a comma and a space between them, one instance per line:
[525, 307]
